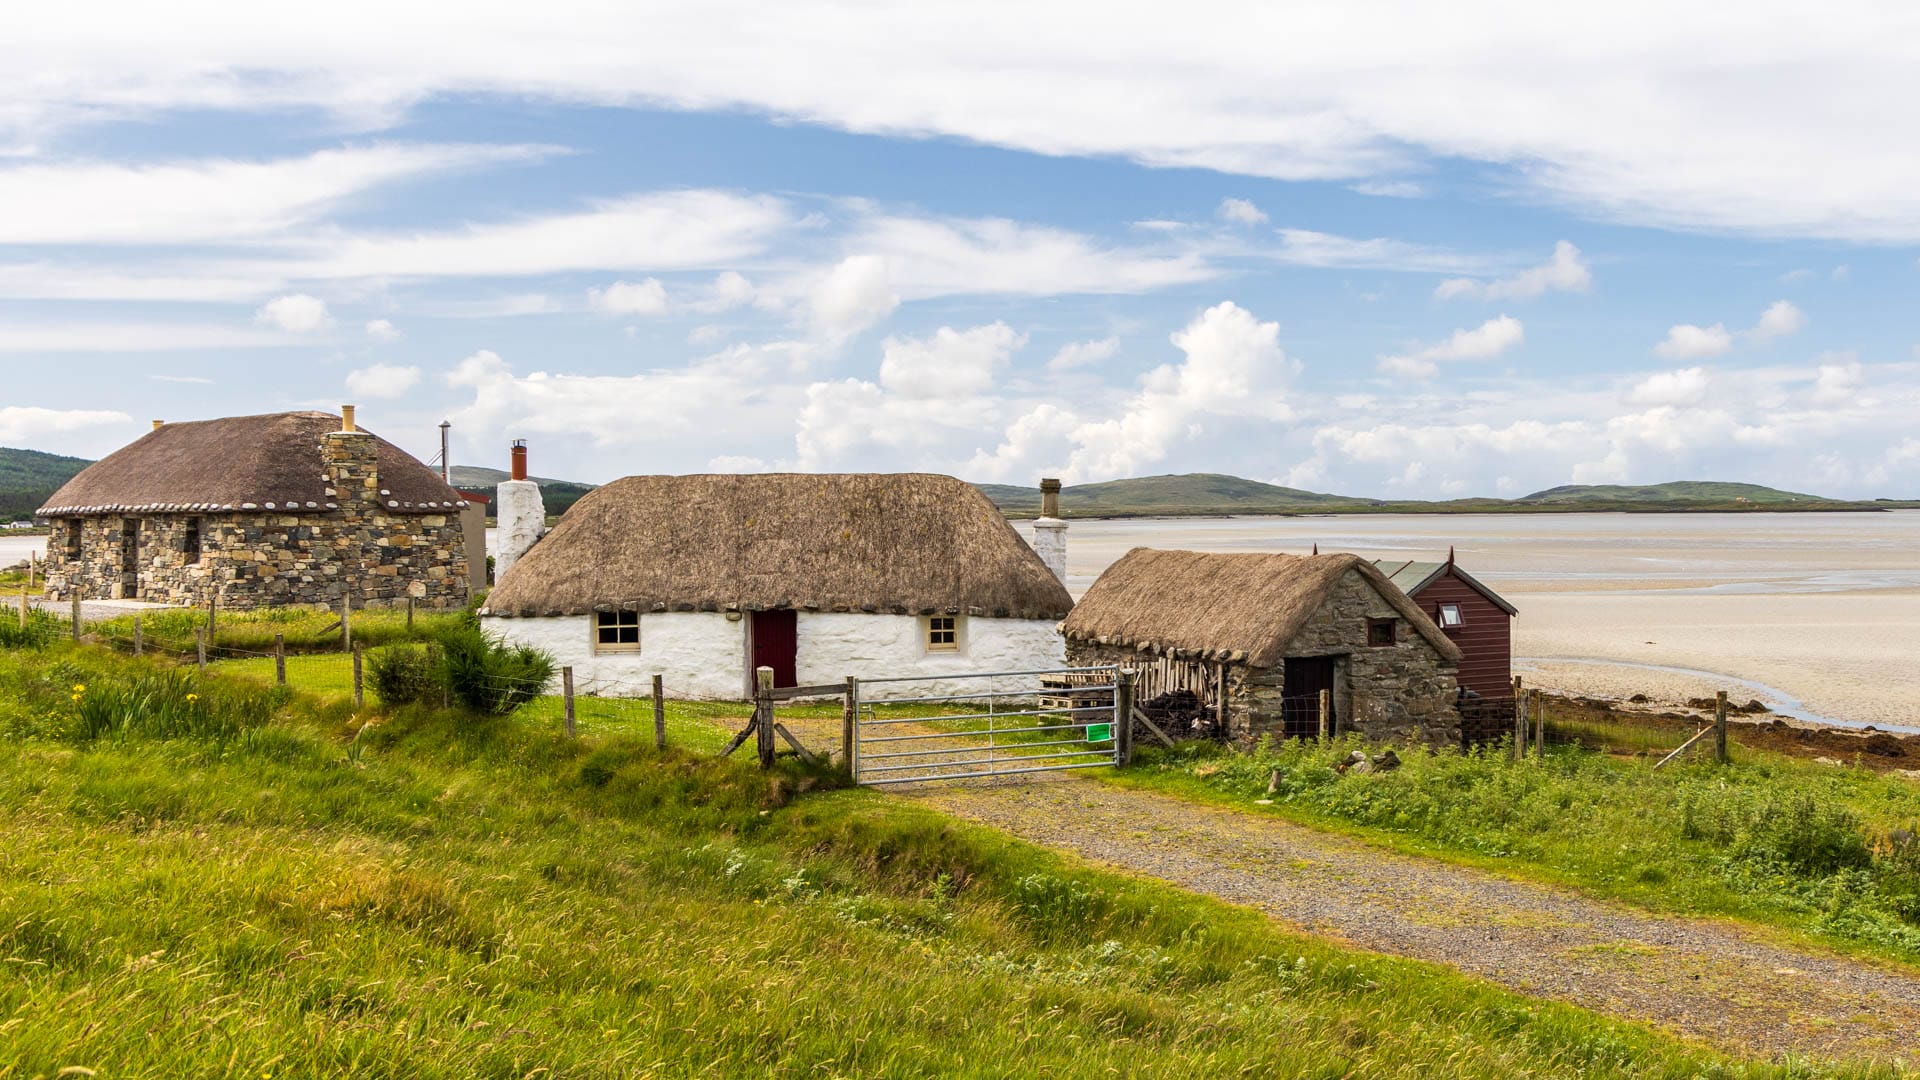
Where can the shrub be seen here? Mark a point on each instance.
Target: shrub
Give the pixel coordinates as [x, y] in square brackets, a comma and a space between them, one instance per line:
[403, 674]
[488, 675]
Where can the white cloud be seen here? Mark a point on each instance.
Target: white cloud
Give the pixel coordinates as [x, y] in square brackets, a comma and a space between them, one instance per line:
[736, 463]
[1564, 271]
[1780, 130]
[670, 230]
[383, 330]
[949, 364]
[709, 334]
[297, 313]
[1079, 354]
[212, 200]
[103, 335]
[382, 381]
[1241, 212]
[1779, 320]
[1684, 386]
[23, 425]
[1686, 341]
[1837, 379]
[1483, 342]
[647, 297]
[929, 257]
[1304, 247]
[853, 295]
[1390, 189]
[1841, 272]
[1233, 366]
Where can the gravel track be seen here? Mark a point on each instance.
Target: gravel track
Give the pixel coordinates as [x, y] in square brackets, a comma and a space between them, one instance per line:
[1709, 980]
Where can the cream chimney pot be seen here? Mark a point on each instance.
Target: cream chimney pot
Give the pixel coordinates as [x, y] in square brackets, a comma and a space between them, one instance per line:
[346, 418]
[157, 424]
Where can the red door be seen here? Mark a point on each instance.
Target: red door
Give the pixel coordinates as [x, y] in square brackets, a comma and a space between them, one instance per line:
[776, 640]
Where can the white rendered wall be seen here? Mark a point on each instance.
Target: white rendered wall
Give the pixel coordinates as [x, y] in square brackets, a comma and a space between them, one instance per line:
[1050, 543]
[521, 517]
[834, 646]
[701, 655]
[697, 654]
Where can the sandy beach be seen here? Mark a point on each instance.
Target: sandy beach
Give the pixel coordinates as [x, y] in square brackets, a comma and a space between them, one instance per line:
[1817, 615]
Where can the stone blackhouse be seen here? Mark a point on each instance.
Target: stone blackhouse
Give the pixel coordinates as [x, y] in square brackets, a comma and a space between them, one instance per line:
[297, 508]
[1249, 641]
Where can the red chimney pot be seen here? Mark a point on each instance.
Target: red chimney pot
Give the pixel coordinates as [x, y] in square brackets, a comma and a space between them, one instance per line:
[519, 459]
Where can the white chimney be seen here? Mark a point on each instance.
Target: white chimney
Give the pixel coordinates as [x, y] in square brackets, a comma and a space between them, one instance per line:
[1049, 532]
[519, 514]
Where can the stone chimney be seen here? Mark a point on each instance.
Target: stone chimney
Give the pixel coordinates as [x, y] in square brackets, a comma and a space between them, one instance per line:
[1049, 532]
[349, 457]
[519, 513]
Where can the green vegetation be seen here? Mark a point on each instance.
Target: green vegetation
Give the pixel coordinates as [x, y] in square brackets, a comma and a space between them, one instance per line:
[1824, 851]
[558, 495]
[1687, 491]
[1211, 494]
[28, 477]
[305, 629]
[307, 891]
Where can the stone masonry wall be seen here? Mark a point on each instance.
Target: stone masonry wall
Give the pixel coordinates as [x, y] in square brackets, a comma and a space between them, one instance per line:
[1401, 693]
[268, 557]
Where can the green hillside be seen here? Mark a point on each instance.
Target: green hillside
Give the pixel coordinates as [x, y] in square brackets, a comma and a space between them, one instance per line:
[1677, 491]
[558, 495]
[1189, 493]
[28, 477]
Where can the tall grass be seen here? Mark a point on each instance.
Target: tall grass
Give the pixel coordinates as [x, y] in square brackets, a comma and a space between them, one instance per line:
[303, 629]
[1818, 849]
[438, 895]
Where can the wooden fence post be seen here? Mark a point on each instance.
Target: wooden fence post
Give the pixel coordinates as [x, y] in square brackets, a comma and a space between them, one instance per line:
[346, 622]
[659, 713]
[849, 716]
[213, 610]
[136, 635]
[1720, 727]
[76, 616]
[1539, 724]
[763, 714]
[359, 684]
[1326, 714]
[24, 605]
[1519, 720]
[200, 648]
[280, 659]
[1123, 707]
[566, 696]
[409, 616]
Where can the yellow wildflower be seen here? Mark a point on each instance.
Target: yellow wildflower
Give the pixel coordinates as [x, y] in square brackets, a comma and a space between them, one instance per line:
[77, 697]
[192, 698]
[79, 688]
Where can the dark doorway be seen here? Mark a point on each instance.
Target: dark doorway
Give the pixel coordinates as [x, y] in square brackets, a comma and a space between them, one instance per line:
[776, 641]
[1305, 677]
[130, 558]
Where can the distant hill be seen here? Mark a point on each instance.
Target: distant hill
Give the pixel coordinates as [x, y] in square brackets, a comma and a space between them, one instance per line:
[1188, 493]
[558, 495]
[1695, 491]
[29, 477]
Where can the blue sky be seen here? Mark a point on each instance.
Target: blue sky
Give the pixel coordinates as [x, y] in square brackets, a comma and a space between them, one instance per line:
[1360, 248]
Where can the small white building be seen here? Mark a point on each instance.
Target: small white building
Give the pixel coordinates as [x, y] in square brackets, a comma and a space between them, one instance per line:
[701, 579]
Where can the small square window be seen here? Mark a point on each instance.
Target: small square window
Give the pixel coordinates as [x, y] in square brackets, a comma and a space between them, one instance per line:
[1381, 633]
[1451, 617]
[616, 631]
[943, 633]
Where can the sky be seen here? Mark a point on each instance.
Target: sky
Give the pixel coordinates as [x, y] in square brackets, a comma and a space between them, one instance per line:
[1392, 250]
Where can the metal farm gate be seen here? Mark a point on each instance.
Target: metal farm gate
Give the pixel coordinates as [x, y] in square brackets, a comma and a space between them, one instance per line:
[979, 725]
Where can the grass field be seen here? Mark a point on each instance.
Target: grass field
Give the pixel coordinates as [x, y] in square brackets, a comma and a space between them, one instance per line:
[216, 877]
[1817, 850]
[240, 632]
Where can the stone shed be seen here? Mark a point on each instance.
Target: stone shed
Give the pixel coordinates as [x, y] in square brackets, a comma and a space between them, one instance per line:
[293, 508]
[1248, 641]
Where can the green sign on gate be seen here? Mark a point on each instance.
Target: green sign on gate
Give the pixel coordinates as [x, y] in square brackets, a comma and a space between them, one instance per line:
[1099, 732]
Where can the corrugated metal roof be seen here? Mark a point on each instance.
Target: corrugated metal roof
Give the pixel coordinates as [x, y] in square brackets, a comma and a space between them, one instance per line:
[1410, 577]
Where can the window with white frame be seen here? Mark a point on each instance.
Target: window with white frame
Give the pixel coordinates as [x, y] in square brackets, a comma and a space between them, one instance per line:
[943, 633]
[616, 631]
[1451, 616]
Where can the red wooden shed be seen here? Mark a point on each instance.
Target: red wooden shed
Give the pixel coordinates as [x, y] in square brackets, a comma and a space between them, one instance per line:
[1473, 616]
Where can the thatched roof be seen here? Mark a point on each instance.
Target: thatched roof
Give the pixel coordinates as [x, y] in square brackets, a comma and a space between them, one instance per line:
[904, 543]
[1238, 607]
[240, 463]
